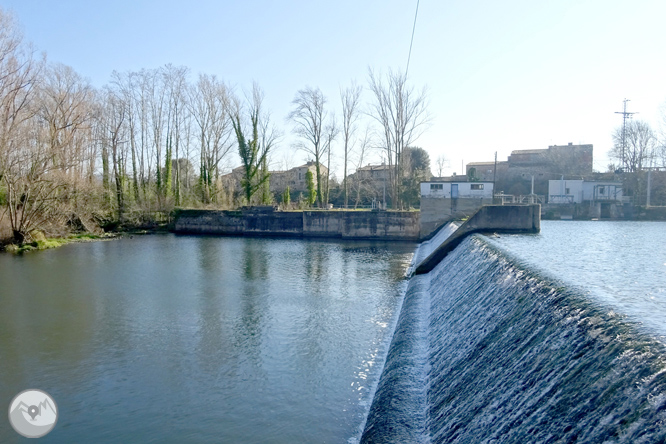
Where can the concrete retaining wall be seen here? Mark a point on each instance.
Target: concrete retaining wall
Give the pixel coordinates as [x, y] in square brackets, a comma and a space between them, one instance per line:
[210, 222]
[488, 219]
[273, 224]
[437, 211]
[385, 225]
[381, 224]
[322, 223]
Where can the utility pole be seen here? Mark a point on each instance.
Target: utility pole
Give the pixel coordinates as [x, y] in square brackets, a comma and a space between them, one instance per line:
[647, 204]
[625, 116]
[495, 172]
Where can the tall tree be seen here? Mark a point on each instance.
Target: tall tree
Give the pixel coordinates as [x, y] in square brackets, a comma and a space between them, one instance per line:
[175, 79]
[350, 98]
[253, 153]
[210, 103]
[639, 149]
[308, 117]
[364, 147]
[401, 112]
[116, 111]
[442, 162]
[312, 190]
[330, 135]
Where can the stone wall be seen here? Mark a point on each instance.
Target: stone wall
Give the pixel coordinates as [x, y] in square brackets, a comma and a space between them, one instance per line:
[322, 223]
[381, 225]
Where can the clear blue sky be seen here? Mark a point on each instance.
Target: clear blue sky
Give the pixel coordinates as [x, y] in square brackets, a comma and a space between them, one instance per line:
[502, 75]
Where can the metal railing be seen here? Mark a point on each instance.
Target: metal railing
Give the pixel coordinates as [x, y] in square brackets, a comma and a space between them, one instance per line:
[506, 199]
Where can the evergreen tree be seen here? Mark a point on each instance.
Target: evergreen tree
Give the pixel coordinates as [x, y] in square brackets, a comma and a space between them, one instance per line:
[286, 196]
[312, 191]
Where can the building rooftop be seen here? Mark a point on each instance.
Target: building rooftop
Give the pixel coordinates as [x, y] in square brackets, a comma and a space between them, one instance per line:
[369, 167]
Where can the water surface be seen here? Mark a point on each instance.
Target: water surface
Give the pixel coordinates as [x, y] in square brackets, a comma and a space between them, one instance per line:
[621, 265]
[200, 339]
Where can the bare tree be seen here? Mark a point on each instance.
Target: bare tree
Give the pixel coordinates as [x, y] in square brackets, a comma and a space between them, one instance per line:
[18, 76]
[175, 79]
[364, 147]
[662, 135]
[21, 149]
[64, 102]
[115, 115]
[640, 146]
[308, 117]
[209, 103]
[442, 163]
[269, 136]
[402, 115]
[330, 135]
[126, 85]
[350, 98]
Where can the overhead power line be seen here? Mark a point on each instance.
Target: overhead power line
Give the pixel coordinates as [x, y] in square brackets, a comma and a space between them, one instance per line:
[412, 40]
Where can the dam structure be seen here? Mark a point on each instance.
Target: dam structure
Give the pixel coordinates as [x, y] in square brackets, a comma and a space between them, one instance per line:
[487, 350]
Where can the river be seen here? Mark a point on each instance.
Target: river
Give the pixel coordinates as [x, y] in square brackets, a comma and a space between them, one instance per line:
[551, 337]
[178, 339]
[619, 265]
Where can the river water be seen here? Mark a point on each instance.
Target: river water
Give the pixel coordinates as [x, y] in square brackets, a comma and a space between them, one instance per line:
[552, 337]
[619, 265]
[200, 339]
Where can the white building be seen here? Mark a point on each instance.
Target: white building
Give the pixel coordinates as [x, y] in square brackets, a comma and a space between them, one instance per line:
[457, 190]
[577, 191]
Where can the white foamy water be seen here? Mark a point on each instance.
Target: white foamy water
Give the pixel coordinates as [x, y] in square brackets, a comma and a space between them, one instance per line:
[621, 265]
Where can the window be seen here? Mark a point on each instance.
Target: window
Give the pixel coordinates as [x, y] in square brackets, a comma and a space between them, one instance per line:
[300, 175]
[476, 186]
[436, 186]
[566, 191]
[602, 190]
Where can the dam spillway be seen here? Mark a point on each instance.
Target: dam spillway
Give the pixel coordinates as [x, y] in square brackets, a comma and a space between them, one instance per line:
[487, 350]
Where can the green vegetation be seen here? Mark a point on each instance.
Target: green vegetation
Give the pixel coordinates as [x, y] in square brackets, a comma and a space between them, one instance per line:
[45, 244]
[253, 151]
[312, 191]
[286, 197]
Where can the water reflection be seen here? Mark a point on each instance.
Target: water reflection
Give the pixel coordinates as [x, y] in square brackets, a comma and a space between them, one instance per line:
[200, 339]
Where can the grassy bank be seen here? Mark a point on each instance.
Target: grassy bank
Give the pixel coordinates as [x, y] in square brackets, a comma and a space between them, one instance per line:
[47, 243]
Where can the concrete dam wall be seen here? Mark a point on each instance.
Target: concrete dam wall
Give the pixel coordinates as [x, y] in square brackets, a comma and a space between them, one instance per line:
[380, 225]
[488, 351]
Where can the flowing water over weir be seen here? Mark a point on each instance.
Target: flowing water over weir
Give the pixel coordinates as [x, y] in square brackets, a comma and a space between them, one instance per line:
[486, 351]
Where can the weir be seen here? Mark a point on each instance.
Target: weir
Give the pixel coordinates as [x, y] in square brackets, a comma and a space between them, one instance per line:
[488, 351]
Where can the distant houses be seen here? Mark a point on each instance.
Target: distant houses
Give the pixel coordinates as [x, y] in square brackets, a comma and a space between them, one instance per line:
[293, 178]
[578, 191]
[543, 164]
[561, 178]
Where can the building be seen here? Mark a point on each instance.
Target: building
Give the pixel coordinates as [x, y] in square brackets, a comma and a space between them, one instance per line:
[585, 198]
[278, 180]
[377, 173]
[443, 201]
[297, 176]
[457, 190]
[514, 175]
[565, 191]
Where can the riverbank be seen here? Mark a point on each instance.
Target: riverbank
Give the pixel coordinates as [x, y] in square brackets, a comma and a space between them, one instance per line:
[48, 243]
[93, 230]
